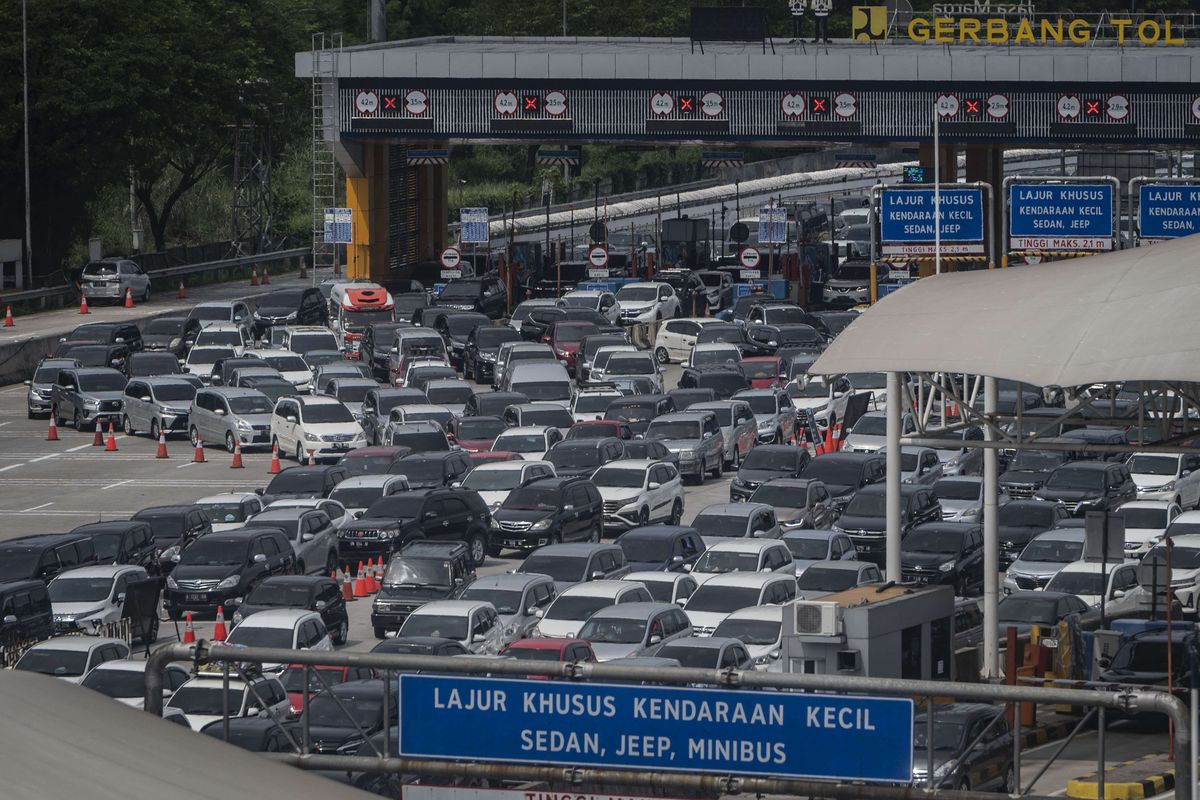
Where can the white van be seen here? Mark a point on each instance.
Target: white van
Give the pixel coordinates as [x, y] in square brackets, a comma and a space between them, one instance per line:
[540, 381]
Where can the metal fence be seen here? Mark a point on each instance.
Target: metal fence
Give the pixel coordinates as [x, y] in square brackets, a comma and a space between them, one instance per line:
[12, 647]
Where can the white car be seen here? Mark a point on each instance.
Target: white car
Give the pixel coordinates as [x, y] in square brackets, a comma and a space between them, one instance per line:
[201, 698]
[305, 338]
[521, 312]
[820, 397]
[1145, 523]
[473, 624]
[124, 680]
[358, 492]
[334, 509]
[638, 364]
[601, 302]
[760, 628]
[601, 357]
[291, 366]
[224, 334]
[592, 403]
[1159, 476]
[713, 354]
[320, 426]
[494, 482]
[200, 360]
[869, 434]
[573, 606]
[286, 628]
[676, 337]
[742, 555]
[1084, 579]
[531, 441]
[71, 657]
[723, 594]
[665, 587]
[230, 511]
[637, 492]
[1185, 569]
[651, 301]
[86, 598]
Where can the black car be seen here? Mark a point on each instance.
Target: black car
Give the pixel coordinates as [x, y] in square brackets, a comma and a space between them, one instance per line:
[125, 333]
[650, 449]
[125, 541]
[485, 295]
[539, 321]
[865, 518]
[637, 411]
[25, 611]
[406, 305]
[377, 406]
[1141, 660]
[223, 368]
[725, 380]
[1028, 470]
[831, 323]
[480, 350]
[489, 404]
[1025, 608]
[174, 528]
[375, 347]
[421, 646]
[729, 333]
[147, 364]
[949, 553]
[391, 522]
[43, 556]
[289, 307]
[795, 337]
[432, 470]
[90, 353]
[765, 462]
[270, 385]
[972, 748]
[339, 716]
[588, 345]
[221, 566]
[456, 328]
[164, 334]
[661, 548]
[421, 572]
[683, 398]
[309, 592]
[845, 473]
[582, 457]
[304, 482]
[1084, 486]
[549, 511]
[1020, 521]
[258, 734]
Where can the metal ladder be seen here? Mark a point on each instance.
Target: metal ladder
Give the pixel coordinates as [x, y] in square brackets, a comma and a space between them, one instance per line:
[326, 52]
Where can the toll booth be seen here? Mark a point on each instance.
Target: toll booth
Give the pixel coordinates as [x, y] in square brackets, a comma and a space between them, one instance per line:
[873, 631]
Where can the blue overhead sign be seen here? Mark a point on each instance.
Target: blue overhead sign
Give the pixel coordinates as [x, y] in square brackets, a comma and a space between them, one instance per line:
[338, 226]
[474, 229]
[1167, 210]
[1061, 216]
[906, 221]
[772, 225]
[774, 734]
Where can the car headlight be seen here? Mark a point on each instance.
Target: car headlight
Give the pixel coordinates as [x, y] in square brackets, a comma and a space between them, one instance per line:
[351, 746]
[687, 453]
[488, 357]
[292, 316]
[511, 630]
[91, 403]
[947, 567]
[174, 343]
[171, 583]
[540, 525]
[242, 425]
[494, 524]
[768, 658]
[312, 437]
[1167, 487]
[229, 582]
[237, 618]
[836, 529]
[945, 769]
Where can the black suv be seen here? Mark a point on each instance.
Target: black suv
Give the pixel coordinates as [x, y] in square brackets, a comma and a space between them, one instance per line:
[1084, 486]
[1021, 521]
[304, 482]
[289, 307]
[126, 541]
[845, 473]
[391, 522]
[174, 528]
[125, 333]
[725, 380]
[420, 573]
[164, 334]
[432, 470]
[479, 354]
[949, 553]
[549, 511]
[485, 295]
[865, 518]
[310, 592]
[1028, 470]
[42, 556]
[764, 463]
[149, 363]
[222, 566]
[376, 345]
[582, 457]
[25, 611]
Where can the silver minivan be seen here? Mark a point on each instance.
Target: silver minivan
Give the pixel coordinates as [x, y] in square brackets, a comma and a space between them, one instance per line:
[159, 404]
[231, 416]
[540, 381]
[738, 427]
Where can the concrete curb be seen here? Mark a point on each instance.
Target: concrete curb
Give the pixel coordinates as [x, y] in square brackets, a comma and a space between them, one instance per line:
[1087, 787]
[1043, 734]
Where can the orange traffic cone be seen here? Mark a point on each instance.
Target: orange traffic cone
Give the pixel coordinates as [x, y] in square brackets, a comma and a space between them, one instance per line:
[372, 578]
[312, 461]
[347, 588]
[129, 298]
[8, 320]
[83, 309]
[253, 277]
[52, 433]
[162, 446]
[266, 279]
[275, 468]
[837, 437]
[98, 439]
[110, 446]
[189, 633]
[182, 291]
[828, 444]
[219, 629]
[237, 456]
[198, 457]
[360, 585]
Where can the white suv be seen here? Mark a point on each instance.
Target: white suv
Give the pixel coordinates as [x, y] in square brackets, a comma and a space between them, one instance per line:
[675, 339]
[319, 425]
[647, 302]
[638, 492]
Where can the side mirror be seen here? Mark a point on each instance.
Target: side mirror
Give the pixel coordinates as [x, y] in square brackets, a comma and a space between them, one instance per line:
[655, 639]
[259, 558]
[1105, 663]
[537, 612]
[681, 602]
[236, 601]
[30, 383]
[687, 567]
[478, 638]
[359, 514]
[220, 412]
[259, 491]
[119, 599]
[320, 605]
[654, 485]
[292, 419]
[10, 619]
[774, 655]
[676, 559]
[1118, 594]
[429, 515]
[597, 575]
[307, 537]
[145, 398]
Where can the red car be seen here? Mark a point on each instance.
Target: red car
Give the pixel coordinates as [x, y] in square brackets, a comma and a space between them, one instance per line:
[475, 434]
[564, 337]
[600, 429]
[561, 650]
[495, 456]
[763, 372]
[293, 681]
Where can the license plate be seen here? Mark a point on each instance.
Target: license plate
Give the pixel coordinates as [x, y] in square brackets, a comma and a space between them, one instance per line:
[861, 548]
[196, 598]
[341, 446]
[353, 543]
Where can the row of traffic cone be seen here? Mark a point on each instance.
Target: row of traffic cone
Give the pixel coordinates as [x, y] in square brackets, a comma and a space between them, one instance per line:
[366, 581]
[219, 633]
[266, 278]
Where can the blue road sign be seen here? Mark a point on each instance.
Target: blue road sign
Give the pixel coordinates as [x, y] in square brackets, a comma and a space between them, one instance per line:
[1167, 210]
[1061, 216]
[772, 225]
[906, 221]
[338, 227]
[474, 225]
[656, 728]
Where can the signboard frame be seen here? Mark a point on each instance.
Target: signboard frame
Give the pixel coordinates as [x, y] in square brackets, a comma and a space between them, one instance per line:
[1052, 243]
[1139, 186]
[339, 226]
[473, 226]
[968, 242]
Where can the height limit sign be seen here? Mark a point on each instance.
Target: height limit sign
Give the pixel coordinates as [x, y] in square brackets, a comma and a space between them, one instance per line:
[338, 226]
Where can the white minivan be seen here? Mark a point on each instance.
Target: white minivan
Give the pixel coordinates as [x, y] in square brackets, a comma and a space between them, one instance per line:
[541, 382]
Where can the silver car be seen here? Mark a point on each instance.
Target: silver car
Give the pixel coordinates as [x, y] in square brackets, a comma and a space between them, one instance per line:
[111, 278]
[157, 405]
[37, 399]
[695, 436]
[632, 629]
[961, 498]
[738, 427]
[231, 416]
[351, 391]
[738, 521]
[774, 414]
[1043, 557]
[520, 598]
[311, 532]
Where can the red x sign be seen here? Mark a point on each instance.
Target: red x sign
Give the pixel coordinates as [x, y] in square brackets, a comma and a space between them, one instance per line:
[818, 105]
[1093, 107]
[972, 106]
[389, 102]
[531, 103]
[685, 104]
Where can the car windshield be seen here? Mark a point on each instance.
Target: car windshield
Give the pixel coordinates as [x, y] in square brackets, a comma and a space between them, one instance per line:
[760, 403]
[1075, 478]
[60, 663]
[506, 601]
[284, 300]
[397, 506]
[163, 326]
[593, 403]
[619, 478]
[480, 428]
[449, 395]
[786, 315]
[319, 413]
[1154, 465]
[779, 496]
[724, 415]
[261, 637]
[205, 552]
[1077, 583]
[343, 712]
[674, 429]
[867, 505]
[822, 579]
[547, 390]
[806, 548]
[720, 524]
[770, 460]
[174, 392]
[438, 625]
[533, 498]
[870, 426]
[1050, 549]
[637, 294]
[573, 332]
[206, 699]
[165, 526]
[116, 682]
[565, 569]
[957, 490]
[726, 561]
[407, 571]
[296, 480]
[1026, 610]
[209, 337]
[573, 457]
[1148, 655]
[462, 324]
[946, 735]
[286, 363]
[461, 290]
[46, 374]
[66, 589]
[577, 607]
[1154, 518]
[490, 338]
[1181, 557]
[251, 404]
[922, 541]
[293, 679]
[107, 546]
[521, 442]
[422, 469]
[852, 272]
[632, 412]
[833, 472]
[694, 657]
[410, 302]
[101, 383]
[630, 364]
[354, 393]
[304, 342]
[209, 355]
[811, 390]
[492, 480]
[1037, 460]
[613, 630]
[581, 301]
[750, 631]
[1027, 515]
[281, 595]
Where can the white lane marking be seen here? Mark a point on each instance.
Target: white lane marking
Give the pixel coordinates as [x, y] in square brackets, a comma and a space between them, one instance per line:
[12, 466]
[43, 458]
[35, 508]
[2, 424]
[80, 447]
[115, 485]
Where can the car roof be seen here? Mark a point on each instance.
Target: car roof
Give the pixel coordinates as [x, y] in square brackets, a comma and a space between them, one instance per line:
[577, 548]
[1160, 505]
[747, 579]
[703, 643]
[554, 644]
[654, 531]
[1186, 539]
[634, 610]
[842, 566]
[316, 400]
[509, 466]
[509, 580]
[281, 513]
[809, 533]
[1063, 534]
[743, 545]
[631, 463]
[735, 509]
[771, 613]
[366, 481]
[606, 588]
[77, 644]
[108, 571]
[277, 618]
[452, 607]
[654, 577]
[529, 430]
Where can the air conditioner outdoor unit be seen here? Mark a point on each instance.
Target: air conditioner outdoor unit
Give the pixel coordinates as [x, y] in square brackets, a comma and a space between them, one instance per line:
[817, 618]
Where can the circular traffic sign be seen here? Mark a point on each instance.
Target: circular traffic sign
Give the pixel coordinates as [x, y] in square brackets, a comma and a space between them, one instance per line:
[792, 104]
[845, 105]
[997, 106]
[598, 232]
[1117, 107]
[451, 258]
[366, 102]
[1067, 106]
[416, 103]
[505, 103]
[739, 232]
[598, 257]
[712, 104]
[749, 257]
[947, 105]
[662, 103]
[555, 103]
[1196, 108]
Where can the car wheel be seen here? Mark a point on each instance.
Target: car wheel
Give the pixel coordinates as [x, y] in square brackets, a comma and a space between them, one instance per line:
[380, 633]
[676, 512]
[126, 425]
[644, 516]
[661, 355]
[299, 454]
[340, 635]
[719, 469]
[154, 429]
[597, 533]
[230, 442]
[194, 435]
[477, 546]
[493, 551]
[299, 568]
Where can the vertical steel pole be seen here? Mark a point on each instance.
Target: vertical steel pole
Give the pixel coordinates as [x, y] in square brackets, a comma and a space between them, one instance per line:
[25, 110]
[387, 713]
[892, 453]
[1195, 743]
[929, 743]
[304, 709]
[1017, 748]
[225, 699]
[937, 194]
[991, 539]
[1100, 759]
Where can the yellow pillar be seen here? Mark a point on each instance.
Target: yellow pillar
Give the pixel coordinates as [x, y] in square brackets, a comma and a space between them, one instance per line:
[366, 196]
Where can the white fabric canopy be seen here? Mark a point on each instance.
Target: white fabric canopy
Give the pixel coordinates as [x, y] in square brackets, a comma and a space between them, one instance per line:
[1129, 315]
